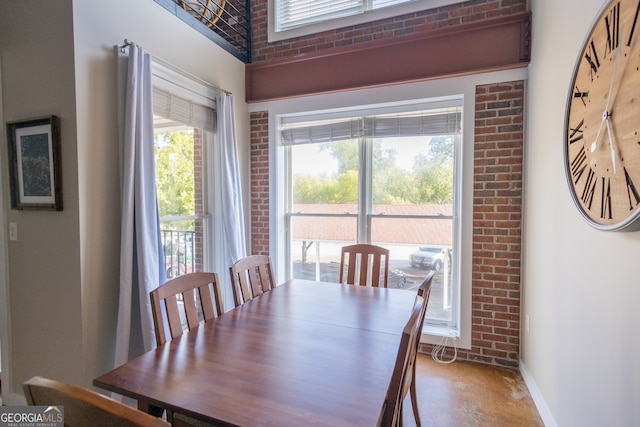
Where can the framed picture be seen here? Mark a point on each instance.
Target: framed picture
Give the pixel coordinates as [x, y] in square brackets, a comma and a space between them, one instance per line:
[34, 163]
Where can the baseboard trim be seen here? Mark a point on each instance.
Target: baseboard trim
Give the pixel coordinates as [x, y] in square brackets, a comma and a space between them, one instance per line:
[538, 400]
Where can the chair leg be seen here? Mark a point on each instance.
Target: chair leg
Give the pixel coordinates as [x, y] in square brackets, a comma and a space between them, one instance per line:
[414, 399]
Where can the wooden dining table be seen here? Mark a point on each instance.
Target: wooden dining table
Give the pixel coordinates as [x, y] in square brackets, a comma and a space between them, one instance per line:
[303, 354]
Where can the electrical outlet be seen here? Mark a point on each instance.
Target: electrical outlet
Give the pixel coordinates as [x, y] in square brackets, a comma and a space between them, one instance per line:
[13, 231]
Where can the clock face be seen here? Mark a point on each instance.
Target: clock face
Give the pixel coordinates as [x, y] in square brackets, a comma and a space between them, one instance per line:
[602, 130]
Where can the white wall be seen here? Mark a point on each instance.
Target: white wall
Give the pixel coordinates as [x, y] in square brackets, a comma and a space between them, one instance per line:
[581, 286]
[58, 57]
[43, 264]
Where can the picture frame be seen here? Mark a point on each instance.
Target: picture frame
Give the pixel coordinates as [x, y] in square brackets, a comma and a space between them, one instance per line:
[35, 164]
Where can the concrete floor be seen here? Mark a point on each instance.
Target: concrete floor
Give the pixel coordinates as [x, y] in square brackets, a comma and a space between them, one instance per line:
[470, 394]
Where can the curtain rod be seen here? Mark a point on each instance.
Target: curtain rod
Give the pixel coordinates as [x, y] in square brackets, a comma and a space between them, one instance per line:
[128, 43]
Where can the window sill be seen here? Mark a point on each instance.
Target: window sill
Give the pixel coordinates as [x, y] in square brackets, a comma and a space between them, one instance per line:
[437, 332]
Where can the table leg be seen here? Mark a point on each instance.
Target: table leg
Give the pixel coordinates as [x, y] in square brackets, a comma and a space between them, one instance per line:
[150, 409]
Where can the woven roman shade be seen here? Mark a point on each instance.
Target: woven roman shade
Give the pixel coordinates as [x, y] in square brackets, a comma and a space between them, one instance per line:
[445, 121]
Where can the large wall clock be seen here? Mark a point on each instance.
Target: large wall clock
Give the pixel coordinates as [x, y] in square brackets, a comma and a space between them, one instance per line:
[602, 128]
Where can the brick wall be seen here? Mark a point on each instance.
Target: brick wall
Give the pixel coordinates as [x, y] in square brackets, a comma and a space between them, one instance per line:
[497, 226]
[497, 214]
[260, 183]
[497, 222]
[391, 28]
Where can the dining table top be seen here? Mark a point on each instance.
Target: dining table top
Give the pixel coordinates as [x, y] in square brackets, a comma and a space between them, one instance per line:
[304, 353]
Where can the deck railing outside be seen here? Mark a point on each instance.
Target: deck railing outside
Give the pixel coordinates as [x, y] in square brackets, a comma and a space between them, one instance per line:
[179, 252]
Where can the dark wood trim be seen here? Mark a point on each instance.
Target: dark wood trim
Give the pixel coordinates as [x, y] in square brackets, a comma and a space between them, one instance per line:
[490, 45]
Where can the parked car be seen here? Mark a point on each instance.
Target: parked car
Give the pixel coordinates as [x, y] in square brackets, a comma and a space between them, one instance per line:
[429, 257]
[397, 279]
[178, 264]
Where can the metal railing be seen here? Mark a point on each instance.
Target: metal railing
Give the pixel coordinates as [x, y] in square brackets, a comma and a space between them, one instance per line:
[179, 252]
[228, 20]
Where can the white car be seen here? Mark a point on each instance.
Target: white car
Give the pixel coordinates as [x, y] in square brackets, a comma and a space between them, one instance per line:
[429, 257]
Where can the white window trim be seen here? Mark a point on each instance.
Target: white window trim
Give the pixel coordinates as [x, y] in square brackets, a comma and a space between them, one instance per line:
[365, 178]
[367, 16]
[169, 78]
[464, 85]
[190, 88]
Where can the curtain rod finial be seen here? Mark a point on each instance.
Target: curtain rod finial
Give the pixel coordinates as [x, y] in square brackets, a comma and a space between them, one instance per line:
[125, 45]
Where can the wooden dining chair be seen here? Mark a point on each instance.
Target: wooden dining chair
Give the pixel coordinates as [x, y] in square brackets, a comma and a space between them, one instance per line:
[251, 276]
[424, 291]
[391, 415]
[365, 265]
[84, 407]
[188, 301]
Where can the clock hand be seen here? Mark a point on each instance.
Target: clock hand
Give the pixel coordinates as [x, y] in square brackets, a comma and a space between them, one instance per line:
[613, 153]
[605, 115]
[594, 144]
[633, 45]
[613, 76]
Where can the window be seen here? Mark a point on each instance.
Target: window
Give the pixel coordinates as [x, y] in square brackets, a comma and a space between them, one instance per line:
[184, 122]
[295, 18]
[189, 175]
[294, 13]
[179, 188]
[383, 175]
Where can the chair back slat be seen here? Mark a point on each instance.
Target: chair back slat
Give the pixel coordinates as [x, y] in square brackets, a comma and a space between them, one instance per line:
[173, 317]
[191, 308]
[364, 265]
[265, 273]
[191, 291]
[251, 276]
[255, 280]
[210, 311]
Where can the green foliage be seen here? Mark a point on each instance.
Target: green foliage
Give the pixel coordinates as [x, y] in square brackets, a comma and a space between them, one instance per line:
[434, 183]
[430, 182]
[441, 148]
[343, 189]
[345, 152]
[175, 181]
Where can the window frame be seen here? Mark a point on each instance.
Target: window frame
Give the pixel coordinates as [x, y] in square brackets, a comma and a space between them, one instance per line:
[346, 21]
[435, 328]
[205, 216]
[168, 78]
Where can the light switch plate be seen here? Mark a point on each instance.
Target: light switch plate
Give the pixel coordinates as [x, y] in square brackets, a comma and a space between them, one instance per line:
[13, 231]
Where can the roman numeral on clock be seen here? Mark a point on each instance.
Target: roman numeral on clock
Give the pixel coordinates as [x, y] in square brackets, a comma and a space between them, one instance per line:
[591, 55]
[581, 95]
[605, 203]
[578, 165]
[576, 134]
[589, 189]
[631, 191]
[612, 22]
[633, 26]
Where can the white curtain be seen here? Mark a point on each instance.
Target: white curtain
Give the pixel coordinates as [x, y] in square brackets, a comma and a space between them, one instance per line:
[230, 185]
[141, 268]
